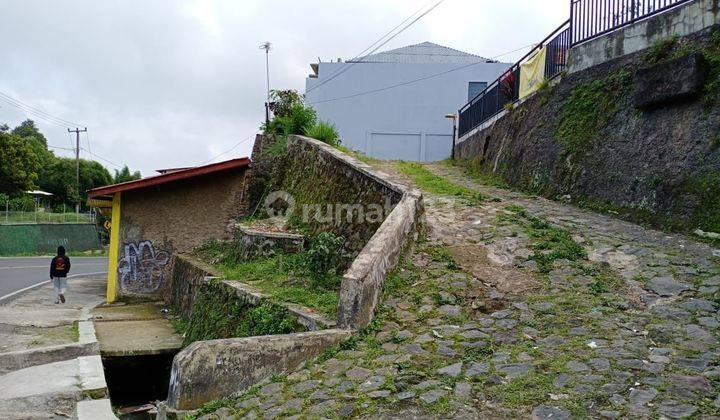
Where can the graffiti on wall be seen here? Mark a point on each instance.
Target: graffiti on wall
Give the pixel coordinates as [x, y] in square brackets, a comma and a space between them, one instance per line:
[141, 267]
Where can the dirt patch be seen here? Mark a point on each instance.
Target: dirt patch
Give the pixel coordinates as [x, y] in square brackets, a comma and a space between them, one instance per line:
[504, 277]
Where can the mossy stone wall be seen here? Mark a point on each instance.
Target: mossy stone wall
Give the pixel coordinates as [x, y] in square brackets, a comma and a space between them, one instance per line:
[585, 140]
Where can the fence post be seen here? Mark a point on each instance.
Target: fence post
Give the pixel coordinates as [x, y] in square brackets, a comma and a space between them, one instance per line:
[572, 9]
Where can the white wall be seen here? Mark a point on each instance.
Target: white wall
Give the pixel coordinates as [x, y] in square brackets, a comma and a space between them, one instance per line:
[412, 113]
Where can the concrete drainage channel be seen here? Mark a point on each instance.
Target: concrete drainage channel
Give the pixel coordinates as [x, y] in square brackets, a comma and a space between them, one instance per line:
[137, 345]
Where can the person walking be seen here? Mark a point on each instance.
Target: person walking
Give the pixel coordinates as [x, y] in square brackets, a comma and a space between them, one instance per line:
[59, 269]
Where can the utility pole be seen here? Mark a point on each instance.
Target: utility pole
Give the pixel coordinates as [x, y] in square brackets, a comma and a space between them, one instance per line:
[267, 46]
[77, 132]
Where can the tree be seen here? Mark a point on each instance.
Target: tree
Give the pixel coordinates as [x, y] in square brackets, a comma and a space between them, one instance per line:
[18, 164]
[59, 179]
[28, 129]
[124, 175]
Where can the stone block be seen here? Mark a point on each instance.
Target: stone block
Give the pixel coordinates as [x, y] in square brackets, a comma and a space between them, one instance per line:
[261, 244]
[208, 370]
[671, 81]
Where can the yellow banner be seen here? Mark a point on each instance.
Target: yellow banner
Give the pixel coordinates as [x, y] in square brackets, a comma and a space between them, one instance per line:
[532, 73]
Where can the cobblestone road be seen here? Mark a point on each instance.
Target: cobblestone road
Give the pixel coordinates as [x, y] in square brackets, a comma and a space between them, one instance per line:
[520, 307]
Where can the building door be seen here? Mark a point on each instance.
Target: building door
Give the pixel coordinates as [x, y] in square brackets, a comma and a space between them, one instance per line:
[413, 147]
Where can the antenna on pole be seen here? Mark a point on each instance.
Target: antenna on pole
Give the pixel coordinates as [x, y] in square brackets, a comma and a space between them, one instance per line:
[267, 46]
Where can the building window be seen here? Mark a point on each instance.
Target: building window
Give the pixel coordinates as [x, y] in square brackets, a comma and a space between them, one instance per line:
[474, 88]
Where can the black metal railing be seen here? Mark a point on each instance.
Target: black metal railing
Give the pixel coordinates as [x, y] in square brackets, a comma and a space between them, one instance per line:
[590, 19]
[506, 89]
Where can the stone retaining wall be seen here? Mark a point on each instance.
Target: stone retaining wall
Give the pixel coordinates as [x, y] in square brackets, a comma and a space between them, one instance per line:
[208, 370]
[637, 136]
[187, 276]
[315, 173]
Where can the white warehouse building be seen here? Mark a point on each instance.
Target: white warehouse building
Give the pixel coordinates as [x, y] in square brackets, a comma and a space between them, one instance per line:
[392, 105]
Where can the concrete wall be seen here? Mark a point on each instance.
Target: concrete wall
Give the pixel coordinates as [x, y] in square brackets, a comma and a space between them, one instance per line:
[685, 20]
[208, 370]
[406, 122]
[45, 238]
[159, 222]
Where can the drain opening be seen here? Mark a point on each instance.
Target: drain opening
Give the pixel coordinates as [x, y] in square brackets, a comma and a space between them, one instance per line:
[138, 380]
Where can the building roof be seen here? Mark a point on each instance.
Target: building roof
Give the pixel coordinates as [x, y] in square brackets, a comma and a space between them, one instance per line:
[426, 52]
[165, 178]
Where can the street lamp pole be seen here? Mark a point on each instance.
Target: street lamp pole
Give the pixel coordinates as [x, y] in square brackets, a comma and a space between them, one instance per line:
[267, 46]
[452, 117]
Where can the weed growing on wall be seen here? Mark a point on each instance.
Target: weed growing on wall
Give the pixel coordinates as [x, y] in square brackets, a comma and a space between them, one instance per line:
[589, 108]
[436, 184]
[712, 55]
[325, 132]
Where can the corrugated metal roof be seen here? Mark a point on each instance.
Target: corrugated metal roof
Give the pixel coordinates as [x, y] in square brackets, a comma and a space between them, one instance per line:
[170, 177]
[426, 52]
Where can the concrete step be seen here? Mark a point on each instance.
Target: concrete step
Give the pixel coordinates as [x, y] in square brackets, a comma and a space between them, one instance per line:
[95, 410]
[51, 388]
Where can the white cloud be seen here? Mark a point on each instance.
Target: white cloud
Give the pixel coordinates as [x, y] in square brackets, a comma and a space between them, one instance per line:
[173, 83]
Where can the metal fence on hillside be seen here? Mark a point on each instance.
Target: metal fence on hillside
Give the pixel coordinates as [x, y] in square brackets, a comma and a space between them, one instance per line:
[590, 19]
[24, 217]
[506, 89]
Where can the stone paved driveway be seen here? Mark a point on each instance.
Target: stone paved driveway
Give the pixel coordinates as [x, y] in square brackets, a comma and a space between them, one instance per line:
[523, 307]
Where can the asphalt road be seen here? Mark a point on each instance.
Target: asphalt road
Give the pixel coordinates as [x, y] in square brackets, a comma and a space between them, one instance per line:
[18, 273]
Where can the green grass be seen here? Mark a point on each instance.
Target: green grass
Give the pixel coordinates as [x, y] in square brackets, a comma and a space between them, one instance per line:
[550, 243]
[472, 168]
[282, 278]
[43, 217]
[357, 155]
[90, 253]
[436, 184]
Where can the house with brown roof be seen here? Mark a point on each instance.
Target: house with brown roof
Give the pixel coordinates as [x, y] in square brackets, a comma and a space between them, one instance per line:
[156, 217]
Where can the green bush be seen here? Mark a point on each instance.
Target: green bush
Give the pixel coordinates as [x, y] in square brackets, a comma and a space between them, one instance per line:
[291, 114]
[20, 203]
[325, 132]
[300, 119]
[325, 255]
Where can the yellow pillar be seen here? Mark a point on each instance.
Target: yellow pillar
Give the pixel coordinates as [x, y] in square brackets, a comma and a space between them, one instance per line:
[114, 249]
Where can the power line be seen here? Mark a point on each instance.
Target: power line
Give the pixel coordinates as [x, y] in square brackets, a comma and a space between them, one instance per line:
[363, 52]
[230, 149]
[355, 95]
[61, 148]
[36, 111]
[102, 158]
[357, 60]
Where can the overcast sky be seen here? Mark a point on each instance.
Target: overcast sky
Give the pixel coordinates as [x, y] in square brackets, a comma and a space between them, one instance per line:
[168, 83]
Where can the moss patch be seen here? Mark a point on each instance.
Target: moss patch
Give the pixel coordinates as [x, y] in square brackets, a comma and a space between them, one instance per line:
[589, 107]
[220, 313]
[436, 184]
[473, 169]
[549, 242]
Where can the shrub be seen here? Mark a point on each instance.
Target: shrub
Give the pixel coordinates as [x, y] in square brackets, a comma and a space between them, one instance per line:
[291, 114]
[325, 255]
[325, 132]
[297, 121]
